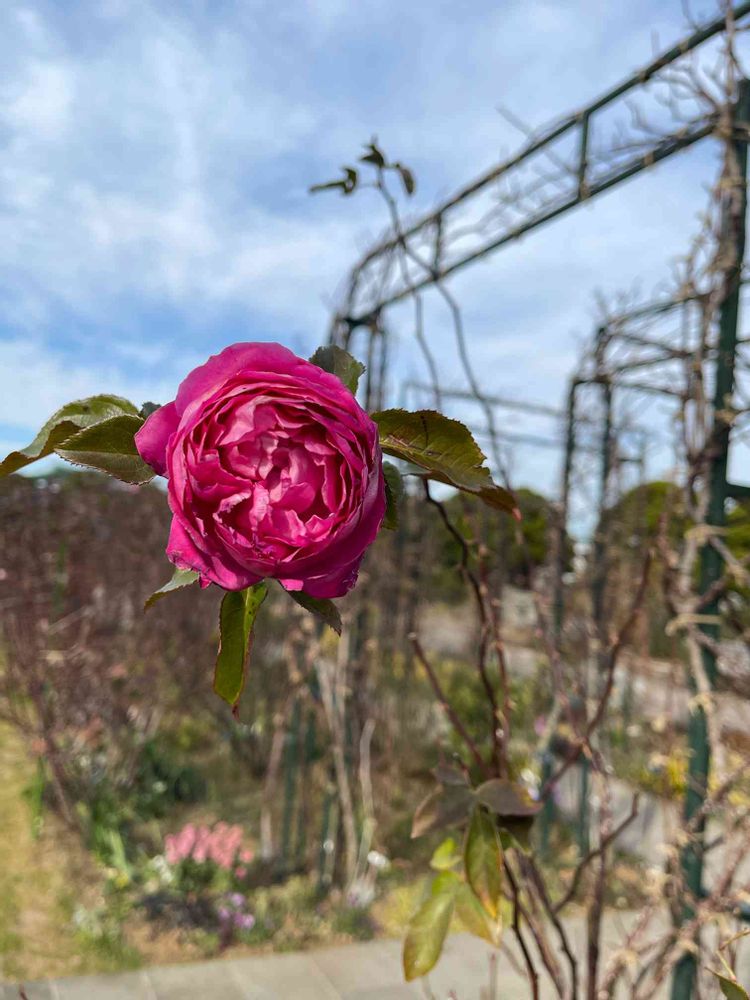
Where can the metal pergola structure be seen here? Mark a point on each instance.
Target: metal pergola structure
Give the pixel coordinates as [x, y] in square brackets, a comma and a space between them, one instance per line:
[501, 205]
[610, 376]
[517, 196]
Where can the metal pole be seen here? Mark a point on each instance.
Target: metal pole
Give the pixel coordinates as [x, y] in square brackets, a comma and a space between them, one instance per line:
[291, 763]
[598, 585]
[327, 837]
[547, 817]
[711, 563]
[562, 535]
[307, 753]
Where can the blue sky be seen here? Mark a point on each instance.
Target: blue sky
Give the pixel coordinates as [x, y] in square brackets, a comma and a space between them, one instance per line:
[155, 160]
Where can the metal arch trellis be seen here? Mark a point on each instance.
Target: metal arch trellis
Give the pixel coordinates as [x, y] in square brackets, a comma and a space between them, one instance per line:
[609, 454]
[496, 208]
[555, 443]
[501, 206]
[608, 375]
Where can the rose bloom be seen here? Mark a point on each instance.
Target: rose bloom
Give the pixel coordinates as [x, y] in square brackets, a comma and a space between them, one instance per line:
[274, 470]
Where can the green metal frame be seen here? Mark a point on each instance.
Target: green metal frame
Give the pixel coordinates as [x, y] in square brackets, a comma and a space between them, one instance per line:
[711, 562]
[375, 284]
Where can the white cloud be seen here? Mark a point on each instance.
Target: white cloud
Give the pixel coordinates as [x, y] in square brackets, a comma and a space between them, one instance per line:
[37, 382]
[42, 100]
[157, 157]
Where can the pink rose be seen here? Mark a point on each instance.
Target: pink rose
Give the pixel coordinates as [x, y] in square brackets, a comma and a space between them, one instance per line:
[274, 471]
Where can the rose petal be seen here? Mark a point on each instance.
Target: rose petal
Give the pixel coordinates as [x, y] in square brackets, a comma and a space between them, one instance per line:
[152, 439]
[185, 555]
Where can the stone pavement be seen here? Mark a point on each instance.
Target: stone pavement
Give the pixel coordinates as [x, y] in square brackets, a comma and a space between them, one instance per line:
[370, 971]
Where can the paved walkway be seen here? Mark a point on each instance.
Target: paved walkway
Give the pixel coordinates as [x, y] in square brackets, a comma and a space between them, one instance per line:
[369, 971]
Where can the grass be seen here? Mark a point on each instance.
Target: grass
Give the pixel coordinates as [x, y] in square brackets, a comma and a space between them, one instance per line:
[36, 936]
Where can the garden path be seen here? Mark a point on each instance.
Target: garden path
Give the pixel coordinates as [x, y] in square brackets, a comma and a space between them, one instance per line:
[370, 971]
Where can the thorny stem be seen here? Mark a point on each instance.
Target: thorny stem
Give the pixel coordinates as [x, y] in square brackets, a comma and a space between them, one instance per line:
[447, 707]
[479, 592]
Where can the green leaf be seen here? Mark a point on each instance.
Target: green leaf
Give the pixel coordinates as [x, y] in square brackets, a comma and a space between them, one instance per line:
[346, 184]
[445, 449]
[475, 918]
[63, 424]
[323, 608]
[730, 988]
[236, 620]
[445, 883]
[447, 775]
[109, 446]
[148, 408]
[394, 491]
[374, 155]
[447, 806]
[516, 833]
[340, 363]
[180, 578]
[446, 856]
[429, 926]
[328, 186]
[407, 178]
[507, 800]
[483, 860]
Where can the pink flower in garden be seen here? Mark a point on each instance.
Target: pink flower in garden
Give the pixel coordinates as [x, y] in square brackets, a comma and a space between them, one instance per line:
[221, 845]
[274, 471]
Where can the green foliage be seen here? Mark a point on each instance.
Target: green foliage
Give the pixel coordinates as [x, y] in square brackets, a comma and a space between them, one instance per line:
[353, 921]
[444, 449]
[475, 917]
[180, 578]
[634, 520]
[468, 884]
[373, 157]
[470, 881]
[346, 184]
[323, 608]
[99, 932]
[394, 492]
[507, 800]
[429, 927]
[109, 446]
[111, 805]
[34, 795]
[518, 560]
[446, 856]
[292, 915]
[483, 859]
[340, 363]
[64, 424]
[730, 988]
[161, 781]
[236, 620]
[738, 530]
[446, 806]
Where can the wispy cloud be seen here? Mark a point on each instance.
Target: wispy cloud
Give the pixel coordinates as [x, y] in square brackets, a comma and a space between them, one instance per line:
[156, 159]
